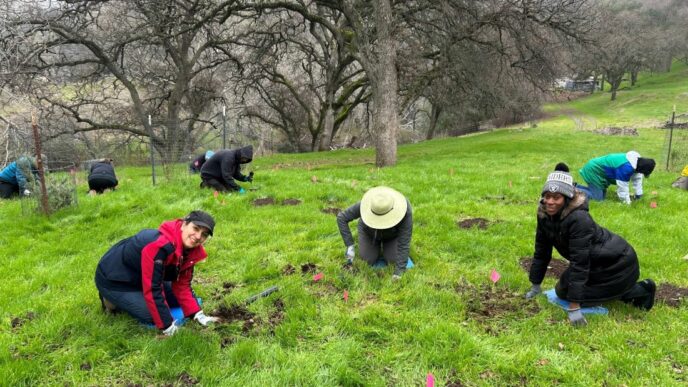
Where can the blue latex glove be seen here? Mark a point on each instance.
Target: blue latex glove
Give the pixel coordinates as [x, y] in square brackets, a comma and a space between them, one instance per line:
[242, 191]
[576, 318]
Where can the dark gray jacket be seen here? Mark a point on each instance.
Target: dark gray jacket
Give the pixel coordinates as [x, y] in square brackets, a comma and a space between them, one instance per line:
[402, 230]
[225, 165]
[602, 265]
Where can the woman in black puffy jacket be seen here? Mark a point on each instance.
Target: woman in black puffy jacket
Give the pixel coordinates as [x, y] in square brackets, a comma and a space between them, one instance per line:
[602, 265]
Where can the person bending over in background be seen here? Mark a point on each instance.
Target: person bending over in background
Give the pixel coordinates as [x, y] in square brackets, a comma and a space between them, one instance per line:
[101, 176]
[195, 166]
[224, 166]
[616, 168]
[16, 177]
[146, 274]
[385, 228]
[682, 181]
[602, 265]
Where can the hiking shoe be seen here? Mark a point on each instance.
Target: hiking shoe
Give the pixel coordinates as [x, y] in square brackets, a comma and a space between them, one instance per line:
[649, 300]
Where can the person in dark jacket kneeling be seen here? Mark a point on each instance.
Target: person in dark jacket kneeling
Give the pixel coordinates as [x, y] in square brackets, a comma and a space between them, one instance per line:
[385, 228]
[148, 273]
[224, 166]
[602, 265]
[197, 163]
[101, 176]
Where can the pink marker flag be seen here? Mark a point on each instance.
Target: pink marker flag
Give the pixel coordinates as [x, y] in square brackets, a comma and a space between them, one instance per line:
[215, 193]
[494, 276]
[346, 295]
[317, 277]
[653, 204]
[430, 380]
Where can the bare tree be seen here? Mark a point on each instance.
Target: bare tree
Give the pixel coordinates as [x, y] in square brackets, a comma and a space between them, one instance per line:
[478, 60]
[305, 79]
[125, 60]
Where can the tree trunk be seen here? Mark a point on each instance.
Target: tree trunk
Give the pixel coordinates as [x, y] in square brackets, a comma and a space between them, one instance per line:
[602, 83]
[328, 125]
[385, 119]
[434, 115]
[634, 77]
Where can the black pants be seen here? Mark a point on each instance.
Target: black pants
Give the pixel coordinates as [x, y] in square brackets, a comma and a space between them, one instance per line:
[638, 295]
[7, 190]
[218, 185]
[100, 184]
[132, 300]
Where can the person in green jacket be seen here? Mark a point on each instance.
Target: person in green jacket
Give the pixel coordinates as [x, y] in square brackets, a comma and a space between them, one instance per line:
[619, 169]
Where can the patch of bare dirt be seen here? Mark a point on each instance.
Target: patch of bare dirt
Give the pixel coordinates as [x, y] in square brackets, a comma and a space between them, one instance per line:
[17, 322]
[288, 270]
[671, 295]
[481, 223]
[291, 202]
[331, 210]
[227, 288]
[187, 380]
[453, 379]
[555, 268]
[263, 202]
[236, 313]
[309, 268]
[276, 316]
[490, 304]
[614, 131]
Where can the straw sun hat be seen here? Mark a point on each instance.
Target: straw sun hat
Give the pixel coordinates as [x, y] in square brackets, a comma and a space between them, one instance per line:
[382, 208]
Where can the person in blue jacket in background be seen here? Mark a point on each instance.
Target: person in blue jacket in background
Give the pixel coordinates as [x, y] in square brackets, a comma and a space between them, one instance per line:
[16, 177]
[616, 168]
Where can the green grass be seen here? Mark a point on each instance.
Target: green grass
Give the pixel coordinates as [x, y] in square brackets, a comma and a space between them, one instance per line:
[387, 333]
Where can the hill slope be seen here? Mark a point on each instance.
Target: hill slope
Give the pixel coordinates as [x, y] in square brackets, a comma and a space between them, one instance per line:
[444, 317]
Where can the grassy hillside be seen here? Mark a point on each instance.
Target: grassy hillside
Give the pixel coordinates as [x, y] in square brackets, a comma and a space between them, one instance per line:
[444, 317]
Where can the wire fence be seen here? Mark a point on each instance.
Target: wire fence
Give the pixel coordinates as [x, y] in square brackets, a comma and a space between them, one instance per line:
[675, 149]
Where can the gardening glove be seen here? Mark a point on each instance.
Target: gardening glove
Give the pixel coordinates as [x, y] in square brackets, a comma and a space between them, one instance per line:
[26, 192]
[205, 320]
[171, 330]
[350, 253]
[534, 291]
[576, 317]
[250, 177]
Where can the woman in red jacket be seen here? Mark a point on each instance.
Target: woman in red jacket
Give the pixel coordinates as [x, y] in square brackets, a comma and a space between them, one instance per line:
[146, 274]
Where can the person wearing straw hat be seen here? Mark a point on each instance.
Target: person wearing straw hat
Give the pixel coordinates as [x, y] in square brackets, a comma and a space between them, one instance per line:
[384, 229]
[602, 265]
[149, 273]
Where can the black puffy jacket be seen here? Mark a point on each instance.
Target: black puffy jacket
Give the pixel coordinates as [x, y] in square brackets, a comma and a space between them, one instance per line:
[602, 265]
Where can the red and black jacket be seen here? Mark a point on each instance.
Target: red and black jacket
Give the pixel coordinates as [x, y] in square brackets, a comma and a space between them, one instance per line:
[144, 261]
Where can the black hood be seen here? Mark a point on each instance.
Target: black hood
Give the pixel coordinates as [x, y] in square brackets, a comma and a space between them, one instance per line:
[645, 166]
[245, 153]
